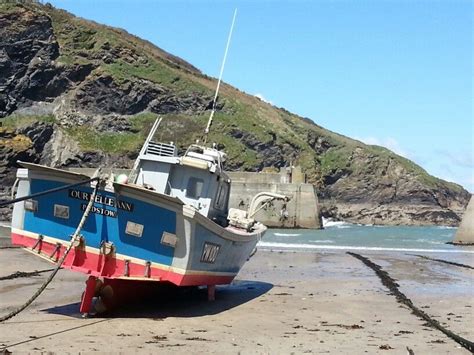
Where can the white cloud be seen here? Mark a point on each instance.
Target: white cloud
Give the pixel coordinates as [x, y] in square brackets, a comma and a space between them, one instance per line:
[261, 97]
[460, 158]
[451, 172]
[389, 142]
[469, 183]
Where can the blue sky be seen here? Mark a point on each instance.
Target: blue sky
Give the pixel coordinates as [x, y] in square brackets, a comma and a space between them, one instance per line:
[393, 73]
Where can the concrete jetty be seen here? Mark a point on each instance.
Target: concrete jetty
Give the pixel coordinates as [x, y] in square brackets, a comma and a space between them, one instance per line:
[301, 211]
[465, 233]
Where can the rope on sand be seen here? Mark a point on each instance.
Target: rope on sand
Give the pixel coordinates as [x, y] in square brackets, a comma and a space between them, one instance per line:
[390, 283]
[19, 274]
[443, 261]
[61, 261]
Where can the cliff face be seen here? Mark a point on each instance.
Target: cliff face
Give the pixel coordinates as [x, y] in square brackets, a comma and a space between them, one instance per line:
[75, 93]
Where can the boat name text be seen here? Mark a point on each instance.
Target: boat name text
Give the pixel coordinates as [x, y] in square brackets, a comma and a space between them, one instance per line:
[102, 199]
[100, 210]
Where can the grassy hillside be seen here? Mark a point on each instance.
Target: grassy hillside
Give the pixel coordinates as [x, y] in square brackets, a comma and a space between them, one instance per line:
[105, 87]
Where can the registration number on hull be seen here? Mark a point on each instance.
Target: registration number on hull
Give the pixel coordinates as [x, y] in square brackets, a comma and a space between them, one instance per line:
[209, 252]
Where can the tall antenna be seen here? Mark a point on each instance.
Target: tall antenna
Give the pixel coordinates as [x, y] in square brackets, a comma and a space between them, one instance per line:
[209, 122]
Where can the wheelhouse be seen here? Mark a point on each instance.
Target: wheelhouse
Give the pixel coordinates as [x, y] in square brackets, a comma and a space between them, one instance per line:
[196, 178]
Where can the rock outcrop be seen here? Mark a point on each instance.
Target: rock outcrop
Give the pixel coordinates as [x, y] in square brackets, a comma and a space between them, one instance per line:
[78, 94]
[465, 232]
[381, 189]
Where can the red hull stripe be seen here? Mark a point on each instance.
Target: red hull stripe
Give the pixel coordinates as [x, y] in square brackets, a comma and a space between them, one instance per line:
[98, 265]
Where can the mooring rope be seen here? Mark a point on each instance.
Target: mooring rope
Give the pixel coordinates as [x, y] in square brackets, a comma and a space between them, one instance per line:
[443, 261]
[19, 274]
[390, 283]
[61, 261]
[38, 194]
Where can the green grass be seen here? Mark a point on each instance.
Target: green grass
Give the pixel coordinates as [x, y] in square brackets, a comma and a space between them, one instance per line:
[16, 121]
[154, 71]
[237, 153]
[307, 161]
[245, 119]
[110, 142]
[334, 159]
[90, 139]
[122, 71]
[408, 165]
[8, 6]
[180, 129]
[143, 121]
[80, 39]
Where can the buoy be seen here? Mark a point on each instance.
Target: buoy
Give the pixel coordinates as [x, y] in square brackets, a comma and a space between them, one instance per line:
[122, 179]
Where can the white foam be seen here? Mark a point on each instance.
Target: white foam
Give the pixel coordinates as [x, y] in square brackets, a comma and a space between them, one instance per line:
[428, 241]
[287, 246]
[446, 227]
[322, 241]
[286, 234]
[328, 223]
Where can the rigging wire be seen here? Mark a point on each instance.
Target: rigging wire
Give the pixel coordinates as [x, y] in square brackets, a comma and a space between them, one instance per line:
[214, 102]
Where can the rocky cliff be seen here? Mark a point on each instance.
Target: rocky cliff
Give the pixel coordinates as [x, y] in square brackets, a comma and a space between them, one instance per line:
[76, 93]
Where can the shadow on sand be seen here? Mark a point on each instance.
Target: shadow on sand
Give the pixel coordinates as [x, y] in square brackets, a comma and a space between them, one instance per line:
[172, 301]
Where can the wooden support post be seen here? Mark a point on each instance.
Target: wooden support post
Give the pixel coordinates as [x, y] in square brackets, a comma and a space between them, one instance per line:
[211, 292]
[87, 296]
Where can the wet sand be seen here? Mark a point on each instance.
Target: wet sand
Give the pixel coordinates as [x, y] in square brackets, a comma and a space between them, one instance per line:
[281, 302]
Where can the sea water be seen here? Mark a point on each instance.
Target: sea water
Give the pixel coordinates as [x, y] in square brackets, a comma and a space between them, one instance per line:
[346, 236]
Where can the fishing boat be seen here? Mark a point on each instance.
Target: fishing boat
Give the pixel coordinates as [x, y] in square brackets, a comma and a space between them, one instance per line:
[168, 221]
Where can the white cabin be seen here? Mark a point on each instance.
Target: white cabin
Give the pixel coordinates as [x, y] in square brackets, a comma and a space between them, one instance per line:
[196, 178]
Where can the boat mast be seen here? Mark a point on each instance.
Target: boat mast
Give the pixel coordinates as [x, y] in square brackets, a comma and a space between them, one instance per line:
[209, 122]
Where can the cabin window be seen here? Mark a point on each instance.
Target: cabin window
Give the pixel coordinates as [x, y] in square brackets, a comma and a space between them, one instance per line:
[221, 196]
[194, 189]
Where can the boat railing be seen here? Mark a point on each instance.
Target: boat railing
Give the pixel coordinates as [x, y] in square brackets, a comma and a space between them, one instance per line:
[161, 149]
[201, 156]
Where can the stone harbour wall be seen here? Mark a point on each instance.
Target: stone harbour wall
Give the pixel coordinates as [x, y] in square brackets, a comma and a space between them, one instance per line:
[301, 211]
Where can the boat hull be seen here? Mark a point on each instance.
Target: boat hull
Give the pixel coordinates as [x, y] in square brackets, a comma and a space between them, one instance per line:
[131, 234]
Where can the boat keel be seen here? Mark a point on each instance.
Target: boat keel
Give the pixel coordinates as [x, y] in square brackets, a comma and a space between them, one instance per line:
[211, 292]
[88, 295]
[104, 296]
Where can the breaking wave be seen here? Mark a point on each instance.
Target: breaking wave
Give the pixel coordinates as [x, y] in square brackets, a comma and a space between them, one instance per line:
[289, 246]
[329, 223]
[287, 234]
[429, 241]
[446, 227]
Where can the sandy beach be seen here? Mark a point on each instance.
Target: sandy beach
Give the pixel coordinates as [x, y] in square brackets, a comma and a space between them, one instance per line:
[281, 302]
